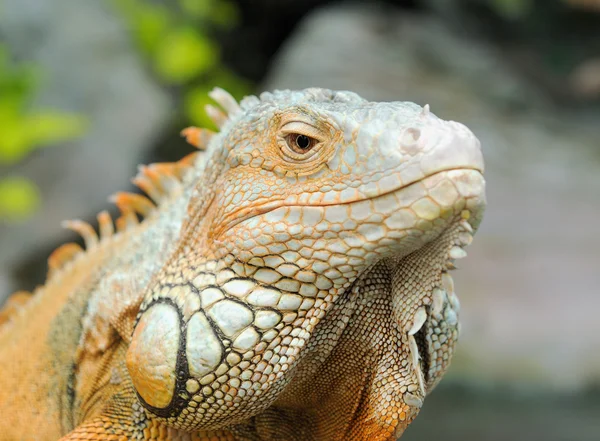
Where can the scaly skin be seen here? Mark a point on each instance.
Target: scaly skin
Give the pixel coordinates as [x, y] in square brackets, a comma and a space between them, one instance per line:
[291, 284]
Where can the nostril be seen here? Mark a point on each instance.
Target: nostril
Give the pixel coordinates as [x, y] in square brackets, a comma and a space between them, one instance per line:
[409, 140]
[413, 133]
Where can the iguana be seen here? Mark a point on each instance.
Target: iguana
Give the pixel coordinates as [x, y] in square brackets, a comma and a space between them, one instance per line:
[289, 282]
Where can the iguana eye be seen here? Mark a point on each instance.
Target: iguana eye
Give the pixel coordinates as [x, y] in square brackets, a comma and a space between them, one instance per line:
[300, 143]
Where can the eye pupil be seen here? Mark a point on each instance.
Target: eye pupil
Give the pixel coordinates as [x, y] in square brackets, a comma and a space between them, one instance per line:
[300, 144]
[303, 141]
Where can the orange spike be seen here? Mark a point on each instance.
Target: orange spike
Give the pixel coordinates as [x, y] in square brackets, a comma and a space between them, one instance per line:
[165, 168]
[85, 230]
[105, 225]
[13, 304]
[158, 179]
[167, 174]
[198, 137]
[145, 182]
[133, 202]
[63, 254]
[186, 162]
[165, 183]
[19, 298]
[127, 220]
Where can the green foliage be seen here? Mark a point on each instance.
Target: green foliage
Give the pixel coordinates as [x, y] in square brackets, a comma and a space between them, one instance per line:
[151, 23]
[184, 54]
[176, 41]
[19, 198]
[23, 131]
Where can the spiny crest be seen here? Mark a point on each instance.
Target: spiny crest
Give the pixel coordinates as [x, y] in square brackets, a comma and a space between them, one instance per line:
[158, 181]
[13, 305]
[198, 137]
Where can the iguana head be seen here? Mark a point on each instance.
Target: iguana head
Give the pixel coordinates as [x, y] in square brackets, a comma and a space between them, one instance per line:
[297, 197]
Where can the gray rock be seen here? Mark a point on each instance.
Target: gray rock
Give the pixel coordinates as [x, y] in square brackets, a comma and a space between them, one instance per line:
[530, 289]
[89, 67]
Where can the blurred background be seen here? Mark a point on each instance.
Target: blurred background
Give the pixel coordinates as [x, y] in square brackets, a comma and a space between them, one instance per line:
[91, 88]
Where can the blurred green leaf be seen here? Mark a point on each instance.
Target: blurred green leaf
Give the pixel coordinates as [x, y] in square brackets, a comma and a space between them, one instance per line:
[147, 22]
[23, 133]
[19, 198]
[16, 82]
[151, 25]
[197, 8]
[184, 54]
[53, 127]
[14, 145]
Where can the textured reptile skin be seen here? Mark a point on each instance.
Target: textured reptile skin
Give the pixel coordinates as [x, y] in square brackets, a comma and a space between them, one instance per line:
[291, 283]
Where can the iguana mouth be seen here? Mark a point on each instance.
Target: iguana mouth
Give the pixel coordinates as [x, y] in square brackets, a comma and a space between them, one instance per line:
[246, 214]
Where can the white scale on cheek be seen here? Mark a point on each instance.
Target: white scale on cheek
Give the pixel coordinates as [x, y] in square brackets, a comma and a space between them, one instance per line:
[350, 155]
[246, 340]
[267, 319]
[210, 296]
[239, 287]
[266, 275]
[264, 297]
[289, 302]
[372, 232]
[231, 317]
[203, 348]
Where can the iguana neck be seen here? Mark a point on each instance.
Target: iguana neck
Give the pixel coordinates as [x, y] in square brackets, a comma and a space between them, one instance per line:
[130, 261]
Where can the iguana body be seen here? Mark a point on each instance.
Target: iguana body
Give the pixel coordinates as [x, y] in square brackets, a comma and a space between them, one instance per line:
[290, 284]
